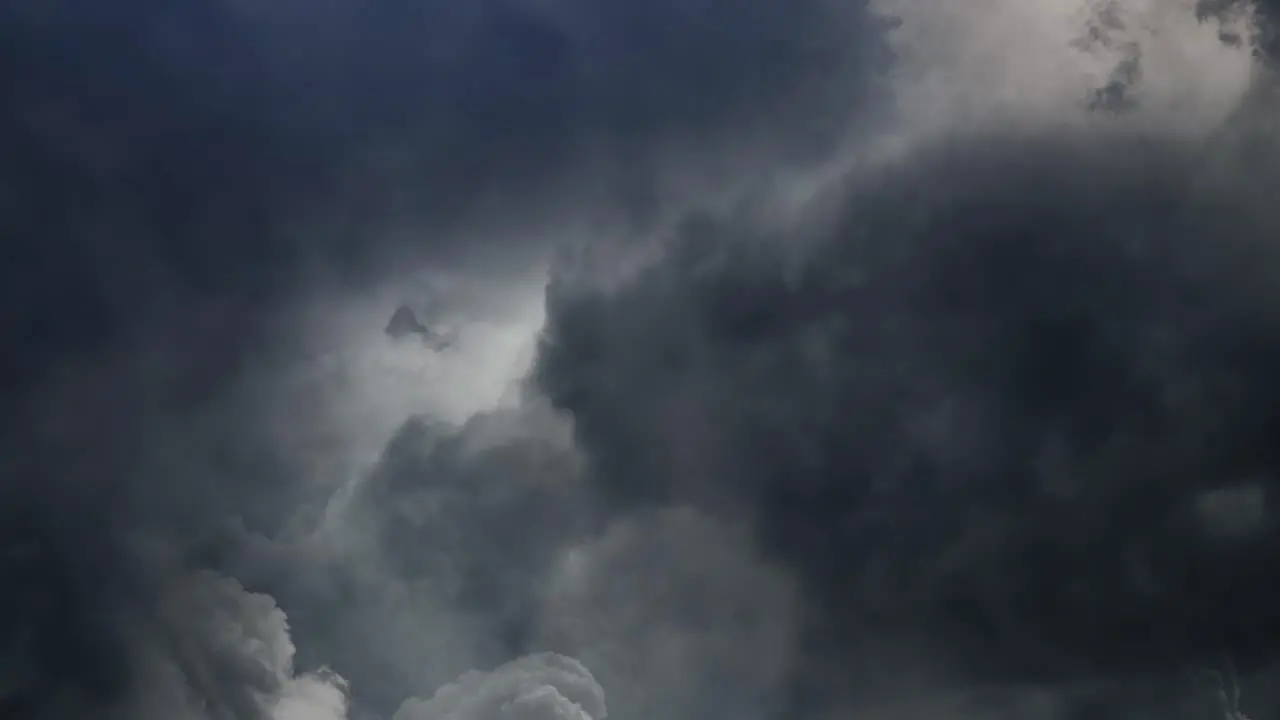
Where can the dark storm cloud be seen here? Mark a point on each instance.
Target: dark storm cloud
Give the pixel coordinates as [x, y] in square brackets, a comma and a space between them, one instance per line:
[172, 173]
[995, 417]
[1006, 420]
[110, 484]
[164, 156]
[219, 145]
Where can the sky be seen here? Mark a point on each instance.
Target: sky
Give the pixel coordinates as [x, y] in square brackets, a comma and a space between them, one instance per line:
[890, 359]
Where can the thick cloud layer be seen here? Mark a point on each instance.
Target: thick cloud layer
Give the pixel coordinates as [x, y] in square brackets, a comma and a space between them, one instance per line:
[179, 180]
[225, 146]
[901, 358]
[996, 415]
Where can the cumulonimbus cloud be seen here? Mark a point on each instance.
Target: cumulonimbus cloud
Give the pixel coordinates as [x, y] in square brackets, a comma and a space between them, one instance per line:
[992, 408]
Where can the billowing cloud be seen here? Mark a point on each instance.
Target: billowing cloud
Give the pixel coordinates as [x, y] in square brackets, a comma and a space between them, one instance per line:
[185, 193]
[977, 412]
[236, 656]
[430, 563]
[202, 648]
[900, 358]
[537, 687]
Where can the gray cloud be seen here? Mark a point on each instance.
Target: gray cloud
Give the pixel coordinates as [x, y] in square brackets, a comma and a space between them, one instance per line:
[536, 687]
[951, 435]
[177, 182]
[975, 414]
[236, 657]
[676, 616]
[441, 549]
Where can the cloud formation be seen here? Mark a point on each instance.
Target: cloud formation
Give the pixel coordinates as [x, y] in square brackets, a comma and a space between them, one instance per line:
[180, 181]
[676, 615]
[897, 358]
[982, 408]
[536, 687]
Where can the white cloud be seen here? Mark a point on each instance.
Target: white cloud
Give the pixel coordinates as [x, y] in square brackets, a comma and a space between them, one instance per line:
[973, 64]
[536, 687]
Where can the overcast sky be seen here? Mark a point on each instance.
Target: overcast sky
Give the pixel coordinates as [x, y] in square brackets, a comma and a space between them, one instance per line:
[900, 359]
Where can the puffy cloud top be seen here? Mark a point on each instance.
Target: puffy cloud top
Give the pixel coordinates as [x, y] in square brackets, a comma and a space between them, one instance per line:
[538, 687]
